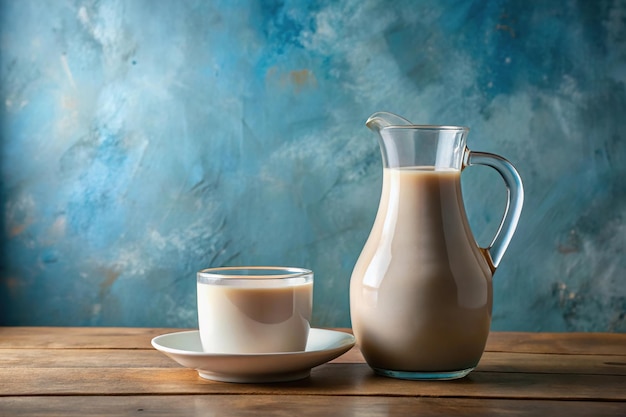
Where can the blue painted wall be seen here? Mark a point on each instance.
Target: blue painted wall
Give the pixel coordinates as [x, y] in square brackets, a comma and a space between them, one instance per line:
[144, 140]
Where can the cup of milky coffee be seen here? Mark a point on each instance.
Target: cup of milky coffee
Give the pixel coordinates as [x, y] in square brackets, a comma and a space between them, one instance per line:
[254, 309]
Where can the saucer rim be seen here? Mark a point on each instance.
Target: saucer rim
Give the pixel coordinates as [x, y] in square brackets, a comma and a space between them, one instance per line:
[349, 340]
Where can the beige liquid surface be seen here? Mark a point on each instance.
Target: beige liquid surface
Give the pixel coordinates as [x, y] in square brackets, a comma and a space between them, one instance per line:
[420, 293]
[254, 320]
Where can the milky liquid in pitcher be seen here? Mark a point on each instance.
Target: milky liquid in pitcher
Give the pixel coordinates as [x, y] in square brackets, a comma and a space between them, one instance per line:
[421, 293]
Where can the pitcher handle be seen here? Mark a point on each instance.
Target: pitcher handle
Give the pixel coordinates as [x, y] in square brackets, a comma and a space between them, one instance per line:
[515, 200]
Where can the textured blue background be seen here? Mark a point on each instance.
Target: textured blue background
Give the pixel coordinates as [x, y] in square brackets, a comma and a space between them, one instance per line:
[143, 140]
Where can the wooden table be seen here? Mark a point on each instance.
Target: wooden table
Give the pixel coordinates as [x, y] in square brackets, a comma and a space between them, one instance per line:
[115, 371]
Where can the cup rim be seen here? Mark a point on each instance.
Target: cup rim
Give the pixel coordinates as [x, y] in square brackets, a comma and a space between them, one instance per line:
[255, 276]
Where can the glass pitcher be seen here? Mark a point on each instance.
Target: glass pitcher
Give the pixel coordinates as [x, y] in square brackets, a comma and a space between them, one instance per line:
[421, 290]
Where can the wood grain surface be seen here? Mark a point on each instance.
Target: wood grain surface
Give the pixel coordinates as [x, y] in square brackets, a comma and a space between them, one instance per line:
[115, 371]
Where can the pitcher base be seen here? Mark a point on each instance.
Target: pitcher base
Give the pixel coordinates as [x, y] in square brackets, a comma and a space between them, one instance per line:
[423, 376]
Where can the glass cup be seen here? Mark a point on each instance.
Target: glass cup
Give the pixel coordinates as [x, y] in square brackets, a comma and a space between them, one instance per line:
[254, 309]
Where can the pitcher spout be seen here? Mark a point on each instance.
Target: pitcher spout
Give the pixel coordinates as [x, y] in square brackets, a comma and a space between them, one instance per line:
[382, 119]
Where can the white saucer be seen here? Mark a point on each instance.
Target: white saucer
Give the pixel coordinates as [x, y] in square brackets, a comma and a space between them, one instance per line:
[186, 349]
